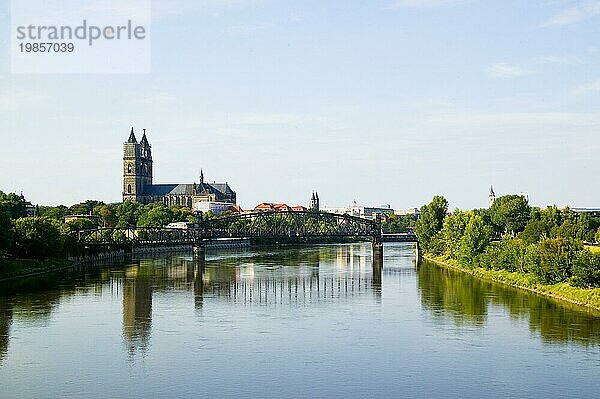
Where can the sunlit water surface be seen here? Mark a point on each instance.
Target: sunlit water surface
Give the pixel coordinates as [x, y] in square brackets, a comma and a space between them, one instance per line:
[291, 322]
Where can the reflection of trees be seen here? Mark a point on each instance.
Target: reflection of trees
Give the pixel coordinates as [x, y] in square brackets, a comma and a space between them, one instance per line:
[555, 321]
[446, 290]
[467, 299]
[5, 322]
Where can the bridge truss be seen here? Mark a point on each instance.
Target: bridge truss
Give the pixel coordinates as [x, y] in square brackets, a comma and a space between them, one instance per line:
[262, 225]
[291, 224]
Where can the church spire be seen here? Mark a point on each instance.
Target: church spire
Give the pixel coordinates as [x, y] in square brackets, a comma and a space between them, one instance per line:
[492, 196]
[201, 176]
[132, 138]
[144, 140]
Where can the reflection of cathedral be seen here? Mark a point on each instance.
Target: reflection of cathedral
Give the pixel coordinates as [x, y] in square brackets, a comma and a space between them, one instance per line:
[137, 311]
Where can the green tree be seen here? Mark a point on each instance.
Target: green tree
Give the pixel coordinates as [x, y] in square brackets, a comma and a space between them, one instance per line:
[13, 204]
[508, 254]
[6, 229]
[551, 260]
[453, 230]
[37, 237]
[183, 214]
[81, 224]
[431, 222]
[84, 208]
[398, 223]
[597, 238]
[108, 215]
[54, 212]
[128, 213]
[475, 239]
[208, 215]
[155, 215]
[511, 213]
[534, 231]
[586, 269]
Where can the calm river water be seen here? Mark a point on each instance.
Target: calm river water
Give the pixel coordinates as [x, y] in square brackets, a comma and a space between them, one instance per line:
[291, 322]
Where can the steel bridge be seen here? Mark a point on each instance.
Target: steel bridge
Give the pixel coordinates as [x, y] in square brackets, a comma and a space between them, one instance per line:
[287, 226]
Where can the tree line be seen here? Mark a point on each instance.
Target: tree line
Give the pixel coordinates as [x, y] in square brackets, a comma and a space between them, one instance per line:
[46, 235]
[511, 235]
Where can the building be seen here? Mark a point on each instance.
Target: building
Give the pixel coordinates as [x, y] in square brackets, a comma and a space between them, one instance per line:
[416, 212]
[138, 182]
[273, 207]
[365, 212]
[594, 212]
[215, 207]
[30, 209]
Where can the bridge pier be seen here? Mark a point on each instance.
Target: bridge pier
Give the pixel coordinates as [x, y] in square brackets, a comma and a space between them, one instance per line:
[199, 250]
[377, 253]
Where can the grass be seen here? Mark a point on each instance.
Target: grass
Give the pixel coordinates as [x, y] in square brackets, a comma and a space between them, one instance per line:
[17, 268]
[589, 297]
[595, 249]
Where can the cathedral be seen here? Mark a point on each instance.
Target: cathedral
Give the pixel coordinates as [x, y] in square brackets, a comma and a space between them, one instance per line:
[138, 184]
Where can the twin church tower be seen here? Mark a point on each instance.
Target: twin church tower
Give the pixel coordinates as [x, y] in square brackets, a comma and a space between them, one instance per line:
[138, 180]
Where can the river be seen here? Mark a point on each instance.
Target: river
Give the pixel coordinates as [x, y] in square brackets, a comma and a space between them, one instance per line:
[290, 322]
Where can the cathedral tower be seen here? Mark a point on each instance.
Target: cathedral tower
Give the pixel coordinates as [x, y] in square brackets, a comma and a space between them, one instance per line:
[314, 202]
[137, 167]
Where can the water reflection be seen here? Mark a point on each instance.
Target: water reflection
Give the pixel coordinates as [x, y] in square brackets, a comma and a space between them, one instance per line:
[467, 301]
[5, 322]
[137, 308]
[288, 277]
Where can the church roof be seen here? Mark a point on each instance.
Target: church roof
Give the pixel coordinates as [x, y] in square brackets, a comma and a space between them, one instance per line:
[222, 187]
[166, 189]
[187, 189]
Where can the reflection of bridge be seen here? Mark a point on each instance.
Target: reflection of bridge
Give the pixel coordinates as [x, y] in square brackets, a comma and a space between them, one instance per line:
[289, 227]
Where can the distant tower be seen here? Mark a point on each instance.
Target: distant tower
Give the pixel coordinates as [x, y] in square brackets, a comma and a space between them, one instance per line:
[492, 196]
[314, 202]
[137, 167]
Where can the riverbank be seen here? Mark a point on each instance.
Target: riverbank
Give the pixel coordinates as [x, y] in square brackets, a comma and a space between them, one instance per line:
[588, 297]
[12, 269]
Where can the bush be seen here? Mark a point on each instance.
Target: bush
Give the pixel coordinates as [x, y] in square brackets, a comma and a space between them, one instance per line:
[37, 237]
[551, 260]
[586, 270]
[508, 254]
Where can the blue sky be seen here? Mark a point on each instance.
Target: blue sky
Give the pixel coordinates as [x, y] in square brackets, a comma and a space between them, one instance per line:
[374, 101]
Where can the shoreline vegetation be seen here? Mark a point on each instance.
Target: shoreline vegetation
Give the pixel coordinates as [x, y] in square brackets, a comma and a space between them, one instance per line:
[14, 269]
[547, 251]
[584, 297]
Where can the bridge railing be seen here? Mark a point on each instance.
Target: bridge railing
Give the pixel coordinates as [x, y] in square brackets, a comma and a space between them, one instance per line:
[137, 235]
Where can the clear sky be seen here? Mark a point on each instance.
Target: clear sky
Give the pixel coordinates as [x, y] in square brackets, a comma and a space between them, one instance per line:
[389, 101]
